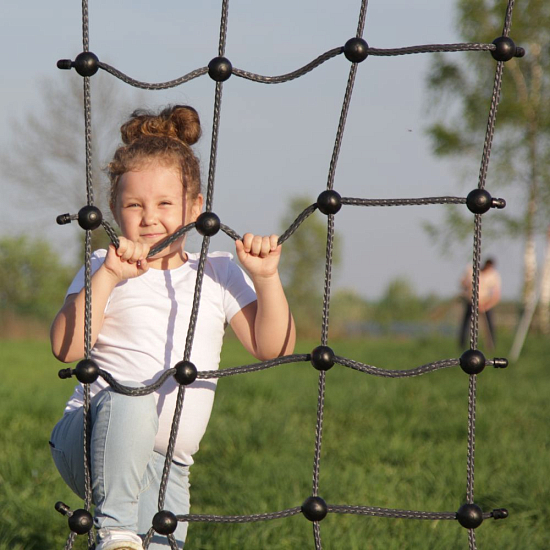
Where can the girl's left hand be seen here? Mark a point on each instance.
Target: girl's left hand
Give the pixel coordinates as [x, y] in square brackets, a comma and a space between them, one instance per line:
[259, 255]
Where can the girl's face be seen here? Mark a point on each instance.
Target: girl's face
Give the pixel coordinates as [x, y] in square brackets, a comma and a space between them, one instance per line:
[151, 205]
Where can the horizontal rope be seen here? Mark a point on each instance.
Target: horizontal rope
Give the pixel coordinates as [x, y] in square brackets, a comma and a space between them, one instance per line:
[240, 519]
[403, 202]
[387, 373]
[152, 86]
[289, 76]
[389, 513]
[431, 48]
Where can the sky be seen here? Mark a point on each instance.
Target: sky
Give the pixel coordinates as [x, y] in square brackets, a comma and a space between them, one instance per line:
[275, 141]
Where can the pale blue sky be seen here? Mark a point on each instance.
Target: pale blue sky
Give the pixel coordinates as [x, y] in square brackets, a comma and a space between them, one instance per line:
[276, 140]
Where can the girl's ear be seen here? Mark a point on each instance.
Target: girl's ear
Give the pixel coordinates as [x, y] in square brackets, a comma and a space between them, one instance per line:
[196, 208]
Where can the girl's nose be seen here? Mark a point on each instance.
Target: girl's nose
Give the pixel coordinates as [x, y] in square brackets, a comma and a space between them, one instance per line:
[149, 216]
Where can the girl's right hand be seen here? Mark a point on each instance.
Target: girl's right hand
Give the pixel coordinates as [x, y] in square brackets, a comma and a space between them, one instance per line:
[127, 261]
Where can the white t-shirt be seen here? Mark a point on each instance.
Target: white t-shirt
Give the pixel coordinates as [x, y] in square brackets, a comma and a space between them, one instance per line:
[145, 330]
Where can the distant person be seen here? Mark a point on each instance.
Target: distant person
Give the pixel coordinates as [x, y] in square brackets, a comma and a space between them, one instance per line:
[489, 297]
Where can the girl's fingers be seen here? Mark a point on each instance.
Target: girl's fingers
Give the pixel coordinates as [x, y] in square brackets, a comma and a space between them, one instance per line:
[256, 245]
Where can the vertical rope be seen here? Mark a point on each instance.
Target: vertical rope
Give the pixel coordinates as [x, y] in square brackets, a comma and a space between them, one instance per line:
[181, 391]
[88, 138]
[223, 28]
[508, 18]
[317, 535]
[85, 27]
[214, 147]
[362, 18]
[341, 126]
[217, 111]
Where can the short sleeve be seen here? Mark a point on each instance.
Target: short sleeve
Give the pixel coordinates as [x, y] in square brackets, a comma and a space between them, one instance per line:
[98, 257]
[239, 290]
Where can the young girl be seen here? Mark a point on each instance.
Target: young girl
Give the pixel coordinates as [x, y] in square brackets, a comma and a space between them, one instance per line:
[140, 315]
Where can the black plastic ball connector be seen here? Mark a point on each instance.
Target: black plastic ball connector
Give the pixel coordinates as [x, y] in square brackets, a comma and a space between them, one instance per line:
[186, 373]
[472, 361]
[356, 50]
[329, 202]
[506, 49]
[86, 371]
[90, 217]
[478, 201]
[208, 224]
[322, 358]
[85, 64]
[470, 516]
[314, 508]
[165, 522]
[220, 69]
[80, 521]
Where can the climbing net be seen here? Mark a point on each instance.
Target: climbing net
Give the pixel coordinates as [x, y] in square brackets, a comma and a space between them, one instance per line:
[329, 202]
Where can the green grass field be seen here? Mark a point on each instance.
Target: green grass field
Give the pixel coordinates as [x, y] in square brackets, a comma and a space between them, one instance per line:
[387, 443]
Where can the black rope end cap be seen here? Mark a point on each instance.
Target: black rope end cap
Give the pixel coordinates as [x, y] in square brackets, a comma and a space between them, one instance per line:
[165, 522]
[90, 217]
[472, 361]
[86, 371]
[65, 373]
[356, 50]
[80, 521]
[207, 224]
[220, 69]
[500, 362]
[314, 508]
[329, 202]
[322, 358]
[470, 516]
[506, 49]
[500, 513]
[86, 64]
[186, 373]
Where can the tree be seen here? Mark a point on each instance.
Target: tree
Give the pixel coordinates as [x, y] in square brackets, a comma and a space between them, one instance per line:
[46, 159]
[33, 281]
[303, 265]
[522, 145]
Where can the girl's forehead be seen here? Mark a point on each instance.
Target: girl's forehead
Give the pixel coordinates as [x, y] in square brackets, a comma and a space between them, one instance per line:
[152, 179]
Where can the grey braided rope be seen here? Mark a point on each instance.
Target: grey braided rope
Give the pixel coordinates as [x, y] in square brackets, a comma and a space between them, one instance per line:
[70, 541]
[508, 18]
[212, 518]
[362, 18]
[181, 390]
[152, 86]
[421, 201]
[389, 373]
[223, 28]
[317, 535]
[341, 125]
[214, 146]
[431, 48]
[292, 75]
[391, 513]
[85, 26]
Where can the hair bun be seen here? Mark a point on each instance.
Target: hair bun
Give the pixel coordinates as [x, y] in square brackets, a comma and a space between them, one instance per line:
[179, 122]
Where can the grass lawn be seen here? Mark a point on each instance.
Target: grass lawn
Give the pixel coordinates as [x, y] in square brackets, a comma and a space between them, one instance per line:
[387, 443]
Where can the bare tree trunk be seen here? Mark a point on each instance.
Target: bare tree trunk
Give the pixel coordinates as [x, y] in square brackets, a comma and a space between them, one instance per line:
[544, 303]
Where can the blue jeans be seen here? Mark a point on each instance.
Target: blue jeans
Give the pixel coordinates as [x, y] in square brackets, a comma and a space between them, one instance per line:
[126, 471]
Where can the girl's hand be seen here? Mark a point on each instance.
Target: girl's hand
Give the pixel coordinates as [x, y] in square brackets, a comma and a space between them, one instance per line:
[259, 255]
[127, 261]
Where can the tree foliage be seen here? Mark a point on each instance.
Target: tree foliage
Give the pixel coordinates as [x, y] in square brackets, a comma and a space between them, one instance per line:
[33, 281]
[521, 151]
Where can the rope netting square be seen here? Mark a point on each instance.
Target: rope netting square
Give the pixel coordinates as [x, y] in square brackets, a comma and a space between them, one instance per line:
[330, 203]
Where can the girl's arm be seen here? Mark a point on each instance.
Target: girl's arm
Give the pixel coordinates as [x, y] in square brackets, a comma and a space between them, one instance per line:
[265, 327]
[67, 331]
